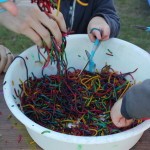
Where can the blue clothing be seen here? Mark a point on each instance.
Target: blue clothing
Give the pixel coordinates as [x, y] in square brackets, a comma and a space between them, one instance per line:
[136, 102]
[148, 2]
[77, 17]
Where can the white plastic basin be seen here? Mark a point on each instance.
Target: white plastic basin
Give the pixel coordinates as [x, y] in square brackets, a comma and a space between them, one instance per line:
[127, 57]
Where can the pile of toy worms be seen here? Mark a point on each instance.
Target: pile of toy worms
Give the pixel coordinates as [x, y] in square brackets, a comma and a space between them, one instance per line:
[73, 104]
[55, 55]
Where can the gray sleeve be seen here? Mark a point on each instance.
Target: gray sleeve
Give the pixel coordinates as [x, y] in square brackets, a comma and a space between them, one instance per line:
[136, 102]
[106, 9]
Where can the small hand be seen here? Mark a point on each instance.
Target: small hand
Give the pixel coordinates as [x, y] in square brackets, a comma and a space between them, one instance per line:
[99, 23]
[9, 6]
[117, 117]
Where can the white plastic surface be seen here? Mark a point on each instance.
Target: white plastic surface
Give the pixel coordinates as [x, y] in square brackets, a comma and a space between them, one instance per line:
[126, 57]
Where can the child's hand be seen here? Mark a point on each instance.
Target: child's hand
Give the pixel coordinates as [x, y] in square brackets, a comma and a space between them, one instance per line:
[100, 24]
[117, 117]
[9, 6]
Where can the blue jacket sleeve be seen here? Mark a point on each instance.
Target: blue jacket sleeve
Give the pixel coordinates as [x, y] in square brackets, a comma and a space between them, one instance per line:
[136, 102]
[106, 9]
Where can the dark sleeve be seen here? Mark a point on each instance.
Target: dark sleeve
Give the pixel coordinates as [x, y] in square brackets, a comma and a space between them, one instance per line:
[106, 9]
[136, 102]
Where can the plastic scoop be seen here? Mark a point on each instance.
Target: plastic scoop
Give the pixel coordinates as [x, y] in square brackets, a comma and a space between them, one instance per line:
[92, 65]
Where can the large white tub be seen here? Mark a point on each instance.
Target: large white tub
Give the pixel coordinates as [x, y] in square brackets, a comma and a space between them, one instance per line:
[126, 57]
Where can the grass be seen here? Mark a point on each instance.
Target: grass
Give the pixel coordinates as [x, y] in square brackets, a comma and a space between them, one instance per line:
[16, 43]
[134, 12]
[131, 12]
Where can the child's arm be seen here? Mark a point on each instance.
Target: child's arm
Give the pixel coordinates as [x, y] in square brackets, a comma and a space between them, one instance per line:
[105, 18]
[135, 105]
[136, 102]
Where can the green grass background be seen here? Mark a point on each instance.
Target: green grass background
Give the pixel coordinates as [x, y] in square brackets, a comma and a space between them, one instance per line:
[131, 12]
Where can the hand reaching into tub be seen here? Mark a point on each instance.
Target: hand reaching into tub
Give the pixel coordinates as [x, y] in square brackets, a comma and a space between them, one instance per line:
[117, 118]
[134, 105]
[9, 6]
[35, 24]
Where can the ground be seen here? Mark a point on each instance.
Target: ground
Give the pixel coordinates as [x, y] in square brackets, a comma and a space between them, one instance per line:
[131, 12]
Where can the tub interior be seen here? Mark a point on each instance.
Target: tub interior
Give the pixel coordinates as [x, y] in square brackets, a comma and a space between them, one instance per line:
[126, 58]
